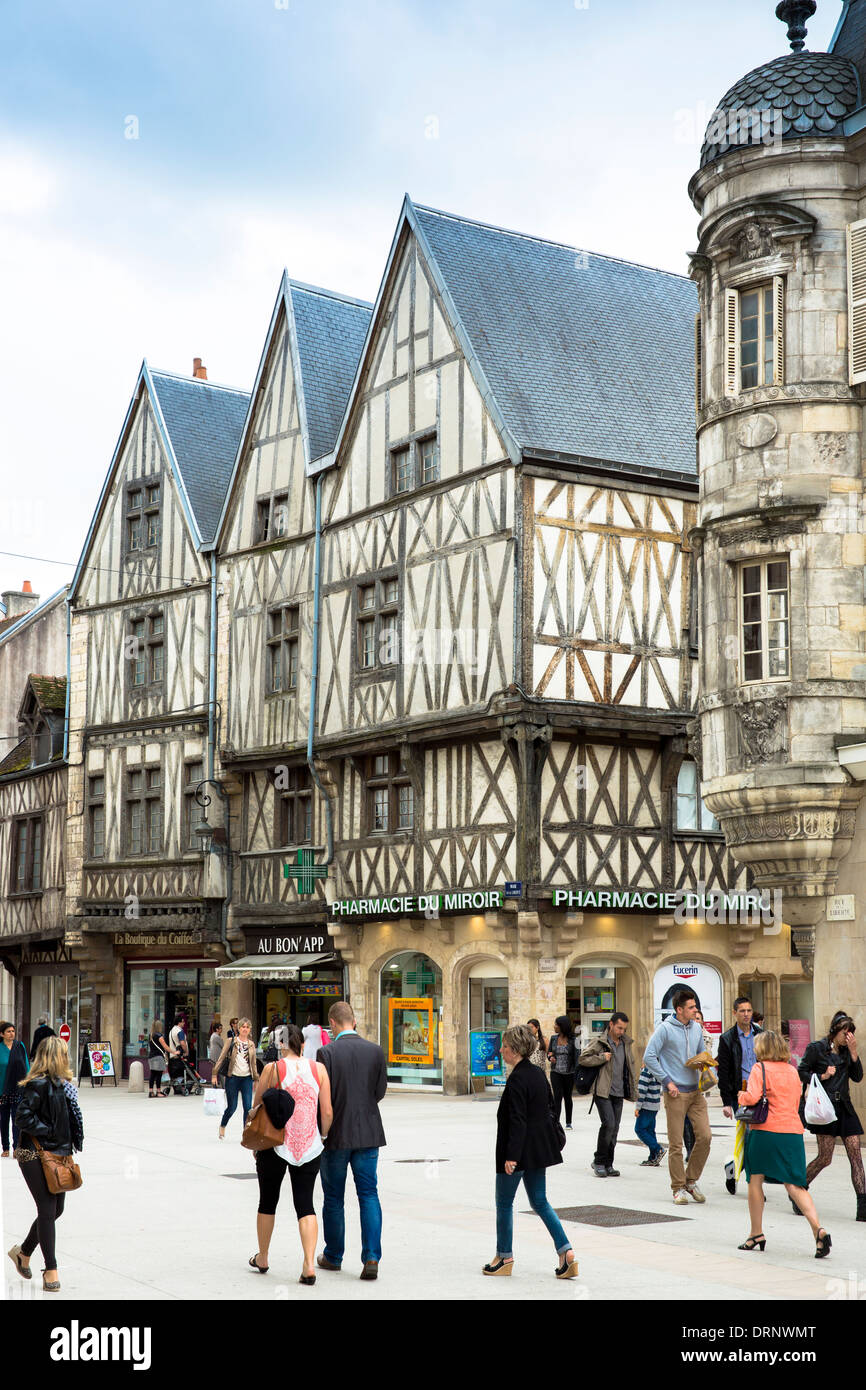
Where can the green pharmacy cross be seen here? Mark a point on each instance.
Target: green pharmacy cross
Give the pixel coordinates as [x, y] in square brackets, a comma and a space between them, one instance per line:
[305, 871]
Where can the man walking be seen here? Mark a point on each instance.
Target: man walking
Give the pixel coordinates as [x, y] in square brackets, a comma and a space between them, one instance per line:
[613, 1053]
[675, 1040]
[735, 1061]
[358, 1076]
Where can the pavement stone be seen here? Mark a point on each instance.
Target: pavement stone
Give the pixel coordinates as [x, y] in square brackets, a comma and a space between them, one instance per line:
[167, 1212]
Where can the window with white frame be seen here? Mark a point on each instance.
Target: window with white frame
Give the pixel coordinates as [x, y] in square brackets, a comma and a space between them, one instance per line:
[692, 814]
[755, 336]
[765, 631]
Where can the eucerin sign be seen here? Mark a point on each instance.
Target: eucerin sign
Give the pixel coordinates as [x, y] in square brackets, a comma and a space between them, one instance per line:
[420, 904]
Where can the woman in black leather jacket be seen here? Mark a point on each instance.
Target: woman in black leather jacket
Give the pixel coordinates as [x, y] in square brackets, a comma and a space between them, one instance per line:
[48, 1113]
[835, 1062]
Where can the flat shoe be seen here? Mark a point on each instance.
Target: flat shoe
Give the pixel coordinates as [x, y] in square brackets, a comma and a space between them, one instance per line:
[324, 1263]
[255, 1265]
[24, 1270]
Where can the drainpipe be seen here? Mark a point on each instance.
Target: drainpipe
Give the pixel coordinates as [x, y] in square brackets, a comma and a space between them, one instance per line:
[314, 680]
[211, 741]
[68, 679]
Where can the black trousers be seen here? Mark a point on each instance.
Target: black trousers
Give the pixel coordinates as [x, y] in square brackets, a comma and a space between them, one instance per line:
[562, 1084]
[48, 1209]
[271, 1170]
[610, 1113]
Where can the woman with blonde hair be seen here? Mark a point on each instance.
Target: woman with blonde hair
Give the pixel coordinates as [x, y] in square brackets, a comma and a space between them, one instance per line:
[48, 1115]
[774, 1150]
[239, 1052]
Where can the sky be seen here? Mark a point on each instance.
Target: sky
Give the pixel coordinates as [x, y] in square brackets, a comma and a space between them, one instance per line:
[161, 164]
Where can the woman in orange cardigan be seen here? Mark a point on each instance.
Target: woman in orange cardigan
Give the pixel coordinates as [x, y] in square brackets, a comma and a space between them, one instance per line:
[775, 1151]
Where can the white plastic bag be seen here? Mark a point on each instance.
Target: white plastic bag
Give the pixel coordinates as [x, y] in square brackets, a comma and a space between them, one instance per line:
[214, 1101]
[819, 1107]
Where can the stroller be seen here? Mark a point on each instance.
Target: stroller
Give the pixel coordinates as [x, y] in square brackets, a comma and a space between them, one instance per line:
[182, 1078]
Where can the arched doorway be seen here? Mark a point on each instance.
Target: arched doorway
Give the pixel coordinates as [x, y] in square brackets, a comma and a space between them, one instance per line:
[410, 1019]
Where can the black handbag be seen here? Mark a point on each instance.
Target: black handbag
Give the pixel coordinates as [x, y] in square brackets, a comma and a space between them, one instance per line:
[757, 1114]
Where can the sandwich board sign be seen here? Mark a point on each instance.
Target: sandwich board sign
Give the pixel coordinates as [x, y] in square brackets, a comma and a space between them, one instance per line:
[99, 1062]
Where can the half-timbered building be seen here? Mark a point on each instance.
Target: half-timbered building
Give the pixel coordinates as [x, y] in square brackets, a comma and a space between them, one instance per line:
[458, 652]
[144, 920]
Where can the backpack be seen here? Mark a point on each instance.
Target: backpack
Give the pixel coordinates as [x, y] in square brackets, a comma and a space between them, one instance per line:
[585, 1078]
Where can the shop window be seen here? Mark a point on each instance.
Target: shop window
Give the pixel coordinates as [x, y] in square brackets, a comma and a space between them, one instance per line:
[296, 809]
[390, 795]
[96, 815]
[692, 814]
[410, 1019]
[26, 874]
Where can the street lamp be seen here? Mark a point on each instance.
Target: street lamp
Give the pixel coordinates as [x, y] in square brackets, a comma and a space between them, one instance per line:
[204, 830]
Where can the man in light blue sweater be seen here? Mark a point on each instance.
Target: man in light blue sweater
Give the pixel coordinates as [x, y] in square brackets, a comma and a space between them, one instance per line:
[667, 1052]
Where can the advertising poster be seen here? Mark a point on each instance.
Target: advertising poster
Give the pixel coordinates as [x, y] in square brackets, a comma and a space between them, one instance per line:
[703, 980]
[410, 1031]
[799, 1037]
[100, 1061]
[485, 1054]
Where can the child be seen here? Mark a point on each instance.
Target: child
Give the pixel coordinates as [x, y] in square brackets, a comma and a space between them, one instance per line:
[649, 1098]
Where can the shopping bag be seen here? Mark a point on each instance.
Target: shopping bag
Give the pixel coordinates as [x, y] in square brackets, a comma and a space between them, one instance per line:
[214, 1101]
[820, 1109]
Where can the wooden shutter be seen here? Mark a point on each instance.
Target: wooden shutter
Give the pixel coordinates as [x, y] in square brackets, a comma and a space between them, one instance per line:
[856, 239]
[699, 366]
[778, 330]
[732, 343]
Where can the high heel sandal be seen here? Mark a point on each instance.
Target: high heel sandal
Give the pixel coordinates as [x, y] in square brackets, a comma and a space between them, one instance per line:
[822, 1244]
[754, 1243]
[307, 1279]
[566, 1270]
[254, 1264]
[499, 1267]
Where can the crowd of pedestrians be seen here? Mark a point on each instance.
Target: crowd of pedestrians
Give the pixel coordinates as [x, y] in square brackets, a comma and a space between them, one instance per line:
[332, 1084]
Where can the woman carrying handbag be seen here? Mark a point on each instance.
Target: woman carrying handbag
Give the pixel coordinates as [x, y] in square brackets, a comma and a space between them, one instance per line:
[835, 1062]
[50, 1128]
[241, 1072]
[774, 1148]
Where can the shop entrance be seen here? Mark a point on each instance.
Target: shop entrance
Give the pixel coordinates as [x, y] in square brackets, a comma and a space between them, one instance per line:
[410, 1019]
[593, 991]
[302, 1000]
[165, 992]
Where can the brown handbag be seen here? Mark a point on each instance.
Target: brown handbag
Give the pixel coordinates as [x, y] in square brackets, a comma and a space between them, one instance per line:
[62, 1173]
[259, 1133]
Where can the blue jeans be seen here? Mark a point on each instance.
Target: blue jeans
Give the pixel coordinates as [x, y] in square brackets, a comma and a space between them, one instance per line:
[237, 1086]
[534, 1180]
[333, 1170]
[645, 1129]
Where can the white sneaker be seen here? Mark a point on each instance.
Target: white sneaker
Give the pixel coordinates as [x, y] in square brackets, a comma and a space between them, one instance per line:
[680, 1198]
[695, 1192]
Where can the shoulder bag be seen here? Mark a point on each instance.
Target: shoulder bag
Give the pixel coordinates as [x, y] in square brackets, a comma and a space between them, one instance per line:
[759, 1113]
[62, 1173]
[260, 1131]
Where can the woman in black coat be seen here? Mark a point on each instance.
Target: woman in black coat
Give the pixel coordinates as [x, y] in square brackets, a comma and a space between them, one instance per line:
[48, 1115]
[835, 1062]
[526, 1145]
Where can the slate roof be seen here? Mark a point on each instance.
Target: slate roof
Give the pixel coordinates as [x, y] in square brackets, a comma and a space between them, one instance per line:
[18, 760]
[330, 333]
[813, 91]
[585, 355]
[204, 424]
[849, 41]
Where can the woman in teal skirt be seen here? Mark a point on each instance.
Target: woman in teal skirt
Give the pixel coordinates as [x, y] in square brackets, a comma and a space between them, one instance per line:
[775, 1151]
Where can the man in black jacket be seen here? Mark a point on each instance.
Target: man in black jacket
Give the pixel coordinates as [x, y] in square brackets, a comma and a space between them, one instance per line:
[359, 1079]
[735, 1060]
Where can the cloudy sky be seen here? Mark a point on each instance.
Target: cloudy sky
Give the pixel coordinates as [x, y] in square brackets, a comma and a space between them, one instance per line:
[160, 164]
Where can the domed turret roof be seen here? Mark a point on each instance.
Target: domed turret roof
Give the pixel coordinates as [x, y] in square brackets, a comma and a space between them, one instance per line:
[814, 92]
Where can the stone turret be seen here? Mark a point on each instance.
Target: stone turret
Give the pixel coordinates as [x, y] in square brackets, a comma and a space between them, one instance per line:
[780, 450]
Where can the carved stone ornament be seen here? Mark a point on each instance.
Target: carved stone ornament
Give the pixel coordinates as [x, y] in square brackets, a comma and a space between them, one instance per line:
[754, 242]
[695, 744]
[755, 431]
[763, 729]
[789, 825]
[747, 400]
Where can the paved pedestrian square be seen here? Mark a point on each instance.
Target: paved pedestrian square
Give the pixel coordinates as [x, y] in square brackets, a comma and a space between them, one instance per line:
[167, 1212]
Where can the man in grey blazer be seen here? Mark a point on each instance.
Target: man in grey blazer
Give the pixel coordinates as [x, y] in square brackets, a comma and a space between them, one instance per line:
[359, 1079]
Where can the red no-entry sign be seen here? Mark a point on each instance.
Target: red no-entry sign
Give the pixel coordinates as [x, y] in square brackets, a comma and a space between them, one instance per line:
[65, 1032]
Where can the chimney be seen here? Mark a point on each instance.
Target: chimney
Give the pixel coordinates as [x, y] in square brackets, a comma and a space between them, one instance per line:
[19, 602]
[198, 371]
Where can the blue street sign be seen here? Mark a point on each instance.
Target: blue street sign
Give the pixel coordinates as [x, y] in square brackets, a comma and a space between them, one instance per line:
[514, 890]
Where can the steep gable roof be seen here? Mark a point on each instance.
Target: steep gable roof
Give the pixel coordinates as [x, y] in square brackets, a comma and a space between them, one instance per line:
[204, 424]
[49, 691]
[10, 625]
[329, 330]
[585, 356]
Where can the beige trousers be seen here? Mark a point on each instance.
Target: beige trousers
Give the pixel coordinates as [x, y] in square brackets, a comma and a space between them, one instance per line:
[693, 1104]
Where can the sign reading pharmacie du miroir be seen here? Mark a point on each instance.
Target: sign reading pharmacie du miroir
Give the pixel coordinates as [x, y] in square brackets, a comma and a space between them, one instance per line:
[421, 904]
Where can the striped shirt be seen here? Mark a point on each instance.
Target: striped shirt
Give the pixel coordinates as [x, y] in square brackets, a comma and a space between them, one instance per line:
[649, 1090]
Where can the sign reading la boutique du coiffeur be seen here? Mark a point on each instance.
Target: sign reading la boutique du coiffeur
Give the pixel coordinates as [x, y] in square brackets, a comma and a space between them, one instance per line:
[565, 899]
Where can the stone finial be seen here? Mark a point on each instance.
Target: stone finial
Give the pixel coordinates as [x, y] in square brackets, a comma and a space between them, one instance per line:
[794, 13]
